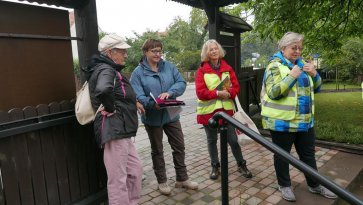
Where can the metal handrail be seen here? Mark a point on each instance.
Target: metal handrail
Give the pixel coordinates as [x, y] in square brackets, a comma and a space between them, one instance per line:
[213, 122]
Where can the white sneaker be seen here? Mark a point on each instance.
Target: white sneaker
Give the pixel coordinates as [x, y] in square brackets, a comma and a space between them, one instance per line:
[323, 191]
[287, 193]
[164, 189]
[186, 184]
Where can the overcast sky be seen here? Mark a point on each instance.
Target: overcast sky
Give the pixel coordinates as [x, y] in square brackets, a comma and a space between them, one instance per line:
[124, 16]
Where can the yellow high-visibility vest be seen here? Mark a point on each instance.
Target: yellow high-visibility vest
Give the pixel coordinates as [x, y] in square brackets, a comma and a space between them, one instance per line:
[286, 107]
[209, 106]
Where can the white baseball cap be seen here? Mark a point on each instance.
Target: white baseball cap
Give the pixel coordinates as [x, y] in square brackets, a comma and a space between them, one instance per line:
[110, 41]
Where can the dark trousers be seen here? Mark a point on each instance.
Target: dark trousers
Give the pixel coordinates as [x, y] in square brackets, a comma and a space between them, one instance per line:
[176, 140]
[304, 143]
[212, 137]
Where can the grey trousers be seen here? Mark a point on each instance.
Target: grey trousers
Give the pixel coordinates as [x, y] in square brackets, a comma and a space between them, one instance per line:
[212, 137]
[176, 140]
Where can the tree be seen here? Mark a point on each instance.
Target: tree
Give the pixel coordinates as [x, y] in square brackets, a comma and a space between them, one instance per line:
[184, 40]
[349, 62]
[252, 43]
[326, 24]
[353, 52]
[135, 53]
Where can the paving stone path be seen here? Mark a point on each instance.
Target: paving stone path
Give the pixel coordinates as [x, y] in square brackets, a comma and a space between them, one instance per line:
[261, 189]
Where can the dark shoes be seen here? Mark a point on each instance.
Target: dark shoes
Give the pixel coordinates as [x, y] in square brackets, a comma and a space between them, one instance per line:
[242, 168]
[215, 171]
[323, 191]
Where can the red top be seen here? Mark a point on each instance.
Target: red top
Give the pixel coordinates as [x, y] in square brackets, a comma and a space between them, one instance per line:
[204, 94]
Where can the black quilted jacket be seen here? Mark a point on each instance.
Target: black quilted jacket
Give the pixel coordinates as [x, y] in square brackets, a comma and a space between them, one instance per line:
[113, 90]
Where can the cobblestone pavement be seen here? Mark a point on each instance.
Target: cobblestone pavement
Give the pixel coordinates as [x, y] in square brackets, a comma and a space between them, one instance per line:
[261, 189]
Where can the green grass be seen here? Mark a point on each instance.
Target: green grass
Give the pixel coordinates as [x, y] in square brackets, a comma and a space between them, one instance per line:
[339, 117]
[332, 86]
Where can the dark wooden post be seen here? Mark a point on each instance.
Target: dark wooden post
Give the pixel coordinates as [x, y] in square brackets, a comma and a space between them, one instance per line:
[237, 50]
[87, 30]
[212, 12]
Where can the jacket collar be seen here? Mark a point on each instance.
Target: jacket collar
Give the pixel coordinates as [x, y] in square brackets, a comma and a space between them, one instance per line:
[286, 62]
[146, 66]
[222, 68]
[97, 60]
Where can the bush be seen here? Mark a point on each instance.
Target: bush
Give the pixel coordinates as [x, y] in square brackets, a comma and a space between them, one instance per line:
[76, 68]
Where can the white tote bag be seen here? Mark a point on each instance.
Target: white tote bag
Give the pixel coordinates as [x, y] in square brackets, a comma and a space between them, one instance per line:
[242, 117]
[83, 107]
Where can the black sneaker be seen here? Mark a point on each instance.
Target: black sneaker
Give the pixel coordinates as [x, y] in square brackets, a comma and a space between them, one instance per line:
[215, 171]
[242, 168]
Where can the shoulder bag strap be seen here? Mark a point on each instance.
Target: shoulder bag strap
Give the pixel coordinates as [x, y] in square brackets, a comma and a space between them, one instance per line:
[238, 104]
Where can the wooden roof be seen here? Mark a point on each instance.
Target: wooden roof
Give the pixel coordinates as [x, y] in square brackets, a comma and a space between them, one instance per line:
[234, 23]
[63, 3]
[216, 3]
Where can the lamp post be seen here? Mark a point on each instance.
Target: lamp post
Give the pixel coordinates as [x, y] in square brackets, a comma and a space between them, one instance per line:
[316, 60]
[254, 61]
[254, 58]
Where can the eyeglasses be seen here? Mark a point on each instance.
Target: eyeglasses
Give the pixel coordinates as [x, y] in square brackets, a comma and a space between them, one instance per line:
[156, 51]
[120, 51]
[296, 48]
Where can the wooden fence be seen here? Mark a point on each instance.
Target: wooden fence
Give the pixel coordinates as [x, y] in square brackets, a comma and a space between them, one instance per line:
[46, 157]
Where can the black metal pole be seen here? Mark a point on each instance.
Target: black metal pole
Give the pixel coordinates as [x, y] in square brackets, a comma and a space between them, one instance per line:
[224, 164]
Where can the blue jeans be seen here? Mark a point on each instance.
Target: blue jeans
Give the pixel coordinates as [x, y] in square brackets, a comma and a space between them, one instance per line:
[305, 147]
[232, 141]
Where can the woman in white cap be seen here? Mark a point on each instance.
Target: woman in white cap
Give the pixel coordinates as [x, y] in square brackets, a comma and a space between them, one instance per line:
[117, 120]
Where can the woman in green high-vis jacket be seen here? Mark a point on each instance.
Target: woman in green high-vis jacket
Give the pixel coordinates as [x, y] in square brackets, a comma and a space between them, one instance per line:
[288, 110]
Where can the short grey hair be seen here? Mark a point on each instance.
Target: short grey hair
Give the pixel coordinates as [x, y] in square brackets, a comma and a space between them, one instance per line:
[290, 38]
[104, 52]
[205, 50]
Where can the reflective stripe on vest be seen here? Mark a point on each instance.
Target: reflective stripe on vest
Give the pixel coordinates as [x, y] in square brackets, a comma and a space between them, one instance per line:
[209, 106]
[284, 108]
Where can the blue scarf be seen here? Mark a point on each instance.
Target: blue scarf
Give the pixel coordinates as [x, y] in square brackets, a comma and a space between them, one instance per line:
[299, 62]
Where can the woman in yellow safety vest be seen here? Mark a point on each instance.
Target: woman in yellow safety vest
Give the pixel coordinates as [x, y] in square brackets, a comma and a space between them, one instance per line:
[288, 110]
[214, 97]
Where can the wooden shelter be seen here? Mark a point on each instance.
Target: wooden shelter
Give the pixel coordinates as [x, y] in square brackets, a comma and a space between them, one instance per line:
[227, 29]
[36, 49]
[46, 157]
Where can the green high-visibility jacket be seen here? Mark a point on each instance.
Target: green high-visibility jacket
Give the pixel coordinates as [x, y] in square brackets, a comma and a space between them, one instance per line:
[206, 107]
[284, 108]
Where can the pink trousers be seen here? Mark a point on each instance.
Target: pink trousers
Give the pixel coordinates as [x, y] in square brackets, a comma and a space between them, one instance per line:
[124, 172]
